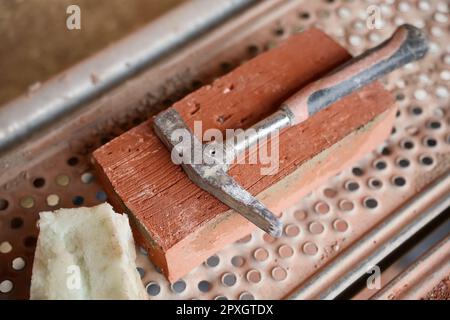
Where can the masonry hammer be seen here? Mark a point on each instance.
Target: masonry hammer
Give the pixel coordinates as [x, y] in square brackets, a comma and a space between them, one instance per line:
[407, 44]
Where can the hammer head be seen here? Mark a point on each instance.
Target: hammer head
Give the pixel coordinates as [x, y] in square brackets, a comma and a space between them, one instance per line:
[210, 173]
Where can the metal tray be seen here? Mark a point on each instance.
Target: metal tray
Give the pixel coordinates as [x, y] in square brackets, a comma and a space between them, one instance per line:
[333, 236]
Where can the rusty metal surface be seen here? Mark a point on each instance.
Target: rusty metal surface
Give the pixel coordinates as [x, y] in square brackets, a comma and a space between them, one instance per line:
[421, 277]
[322, 230]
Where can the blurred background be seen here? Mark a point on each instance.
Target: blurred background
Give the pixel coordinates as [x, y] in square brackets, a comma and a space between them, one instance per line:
[35, 43]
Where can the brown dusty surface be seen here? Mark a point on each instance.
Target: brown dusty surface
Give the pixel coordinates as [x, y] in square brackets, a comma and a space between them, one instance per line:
[440, 292]
[160, 195]
[35, 43]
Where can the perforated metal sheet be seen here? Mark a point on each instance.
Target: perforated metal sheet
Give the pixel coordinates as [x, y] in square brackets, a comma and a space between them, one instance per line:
[54, 171]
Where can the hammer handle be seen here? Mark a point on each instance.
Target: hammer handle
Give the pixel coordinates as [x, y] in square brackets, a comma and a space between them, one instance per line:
[407, 44]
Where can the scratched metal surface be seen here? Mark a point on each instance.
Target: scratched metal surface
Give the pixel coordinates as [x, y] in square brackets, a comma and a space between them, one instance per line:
[404, 181]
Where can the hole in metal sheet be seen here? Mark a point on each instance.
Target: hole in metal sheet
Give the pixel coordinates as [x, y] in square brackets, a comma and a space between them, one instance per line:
[375, 183]
[407, 144]
[179, 286]
[300, 215]
[440, 17]
[441, 92]
[434, 124]
[358, 26]
[340, 225]
[403, 163]
[439, 112]
[253, 276]
[268, 238]
[399, 97]
[346, 205]
[386, 151]
[380, 164]
[101, 196]
[278, 32]
[426, 160]
[27, 202]
[30, 241]
[213, 261]
[279, 274]
[430, 142]
[39, 182]
[141, 272]
[393, 131]
[355, 40]
[78, 200]
[153, 288]
[310, 248]
[445, 75]
[416, 110]
[72, 161]
[237, 261]
[6, 286]
[399, 181]
[420, 94]
[357, 171]
[52, 200]
[304, 15]
[322, 207]
[374, 37]
[316, 227]
[424, 5]
[291, 230]
[246, 296]
[62, 180]
[351, 185]
[260, 254]
[344, 12]
[3, 204]
[16, 223]
[204, 286]
[285, 251]
[18, 263]
[329, 193]
[5, 247]
[229, 279]
[370, 203]
[220, 298]
[87, 177]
